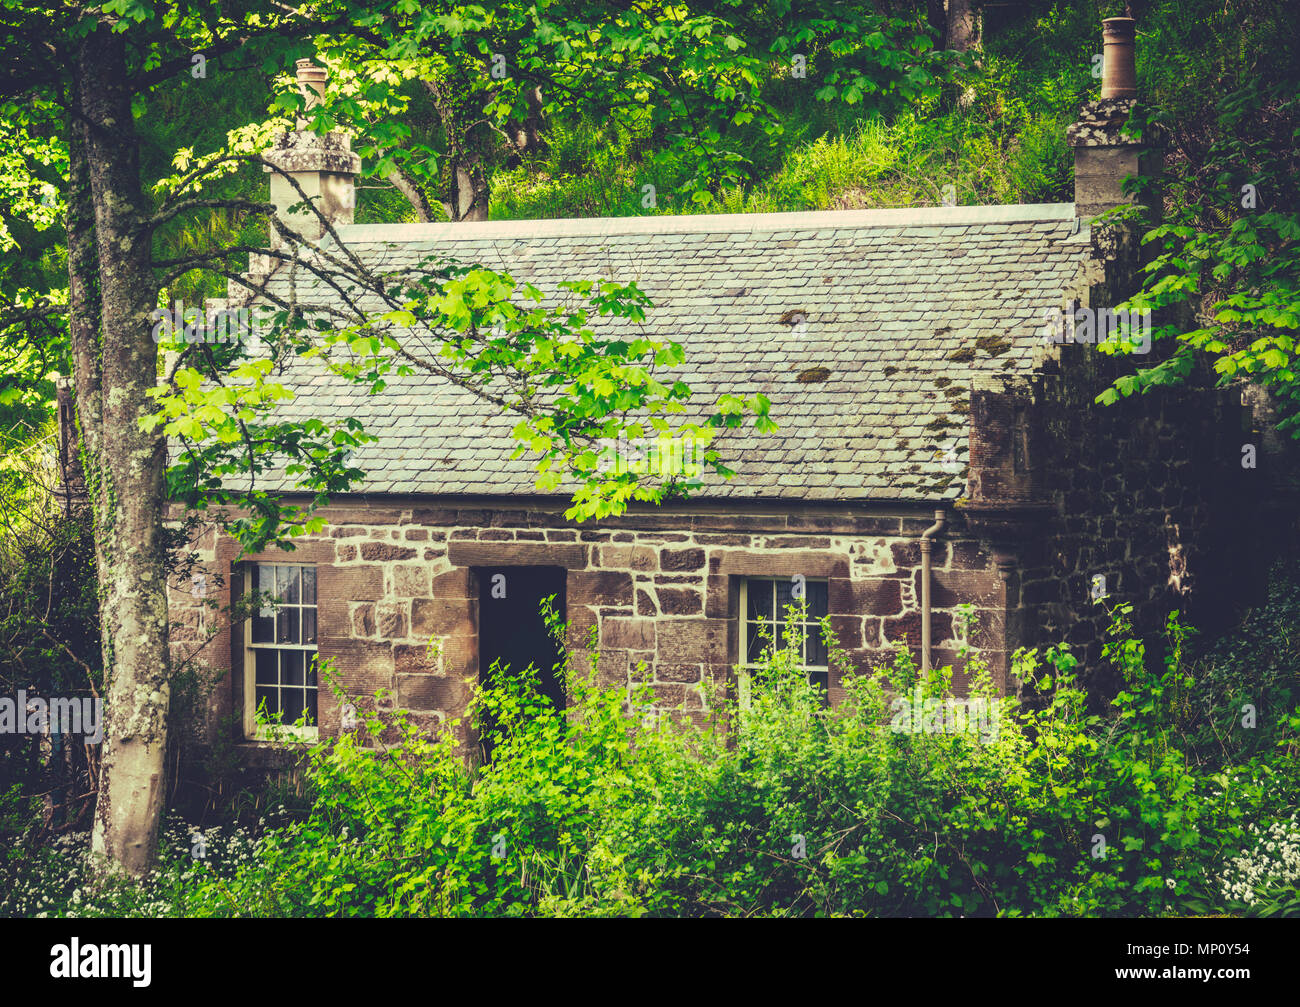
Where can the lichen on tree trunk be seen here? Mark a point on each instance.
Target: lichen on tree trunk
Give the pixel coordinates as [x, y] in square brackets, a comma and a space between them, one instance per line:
[113, 291]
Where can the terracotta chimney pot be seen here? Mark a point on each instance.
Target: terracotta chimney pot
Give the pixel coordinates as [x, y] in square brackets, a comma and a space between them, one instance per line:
[1119, 62]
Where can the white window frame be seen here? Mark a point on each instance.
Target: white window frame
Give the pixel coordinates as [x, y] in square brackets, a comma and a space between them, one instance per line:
[744, 665]
[252, 730]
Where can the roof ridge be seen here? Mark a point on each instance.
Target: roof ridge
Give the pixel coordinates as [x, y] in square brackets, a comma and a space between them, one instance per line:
[903, 216]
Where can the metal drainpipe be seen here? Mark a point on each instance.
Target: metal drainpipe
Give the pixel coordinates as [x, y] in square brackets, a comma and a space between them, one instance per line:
[927, 542]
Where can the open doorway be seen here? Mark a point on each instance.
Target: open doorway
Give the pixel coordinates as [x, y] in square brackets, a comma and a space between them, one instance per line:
[512, 632]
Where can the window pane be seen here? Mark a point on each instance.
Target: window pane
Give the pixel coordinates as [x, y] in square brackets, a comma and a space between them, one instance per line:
[817, 599]
[267, 661]
[263, 629]
[760, 599]
[766, 600]
[271, 697]
[286, 626]
[292, 702]
[286, 584]
[815, 647]
[283, 677]
[291, 667]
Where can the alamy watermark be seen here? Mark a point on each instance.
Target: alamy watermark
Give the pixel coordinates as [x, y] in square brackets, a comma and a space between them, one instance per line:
[202, 325]
[1102, 325]
[664, 457]
[918, 714]
[57, 715]
[75, 960]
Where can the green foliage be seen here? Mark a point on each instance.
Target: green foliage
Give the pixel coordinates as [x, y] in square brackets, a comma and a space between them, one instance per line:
[49, 645]
[1266, 877]
[1256, 665]
[1224, 273]
[699, 101]
[699, 78]
[575, 391]
[897, 800]
[1002, 145]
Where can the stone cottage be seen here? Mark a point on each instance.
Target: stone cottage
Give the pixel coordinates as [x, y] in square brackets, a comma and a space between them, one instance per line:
[936, 448]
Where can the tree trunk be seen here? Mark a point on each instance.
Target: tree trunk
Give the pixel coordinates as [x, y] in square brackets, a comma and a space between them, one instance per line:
[114, 291]
[467, 198]
[526, 136]
[467, 191]
[406, 185]
[937, 14]
[963, 25]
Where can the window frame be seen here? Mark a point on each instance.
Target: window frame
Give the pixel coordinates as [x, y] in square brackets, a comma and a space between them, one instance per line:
[744, 664]
[252, 730]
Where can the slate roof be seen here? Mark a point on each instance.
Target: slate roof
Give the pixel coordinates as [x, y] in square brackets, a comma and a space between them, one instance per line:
[903, 308]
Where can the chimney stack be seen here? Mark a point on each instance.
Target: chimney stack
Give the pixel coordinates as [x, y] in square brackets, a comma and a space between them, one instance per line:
[324, 166]
[1102, 156]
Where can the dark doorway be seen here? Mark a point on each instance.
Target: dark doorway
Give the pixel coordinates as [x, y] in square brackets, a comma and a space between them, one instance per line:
[511, 630]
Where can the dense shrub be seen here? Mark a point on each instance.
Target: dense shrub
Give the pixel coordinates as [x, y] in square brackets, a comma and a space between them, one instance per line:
[784, 807]
[49, 646]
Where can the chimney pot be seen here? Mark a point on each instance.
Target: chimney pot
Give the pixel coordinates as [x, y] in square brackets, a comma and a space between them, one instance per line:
[1119, 63]
[311, 80]
[311, 85]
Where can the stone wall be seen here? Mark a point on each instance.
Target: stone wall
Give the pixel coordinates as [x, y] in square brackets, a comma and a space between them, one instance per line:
[1151, 497]
[398, 594]
[1148, 494]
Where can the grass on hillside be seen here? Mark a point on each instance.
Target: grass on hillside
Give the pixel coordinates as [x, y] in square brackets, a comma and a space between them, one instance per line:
[992, 147]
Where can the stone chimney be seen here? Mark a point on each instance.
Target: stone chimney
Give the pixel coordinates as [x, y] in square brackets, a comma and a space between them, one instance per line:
[1102, 157]
[324, 166]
